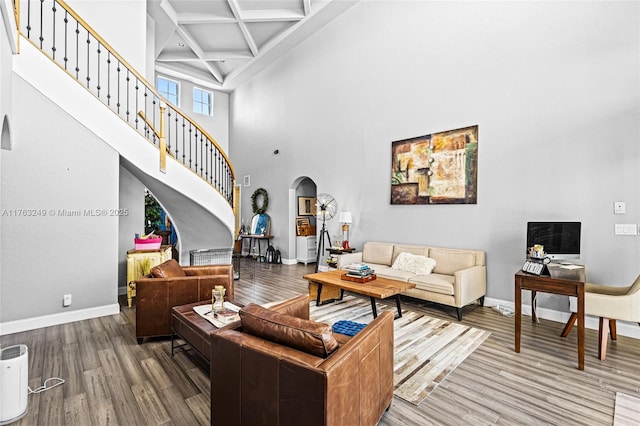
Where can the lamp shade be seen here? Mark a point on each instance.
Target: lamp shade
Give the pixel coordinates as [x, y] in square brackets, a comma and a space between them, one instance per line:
[345, 217]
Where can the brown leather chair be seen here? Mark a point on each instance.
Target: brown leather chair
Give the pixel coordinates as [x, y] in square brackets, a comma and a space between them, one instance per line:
[169, 285]
[278, 368]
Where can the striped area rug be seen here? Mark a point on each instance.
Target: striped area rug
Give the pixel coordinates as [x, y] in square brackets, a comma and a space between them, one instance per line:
[627, 411]
[426, 349]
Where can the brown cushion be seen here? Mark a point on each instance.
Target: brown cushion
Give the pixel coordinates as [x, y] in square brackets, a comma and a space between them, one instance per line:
[308, 336]
[169, 269]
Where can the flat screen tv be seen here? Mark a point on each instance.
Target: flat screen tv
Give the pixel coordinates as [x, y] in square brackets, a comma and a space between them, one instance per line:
[561, 240]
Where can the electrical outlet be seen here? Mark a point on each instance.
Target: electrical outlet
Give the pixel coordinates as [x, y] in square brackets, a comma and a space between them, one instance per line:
[66, 300]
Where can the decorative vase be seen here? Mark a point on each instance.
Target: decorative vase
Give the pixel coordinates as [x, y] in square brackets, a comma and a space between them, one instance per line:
[217, 300]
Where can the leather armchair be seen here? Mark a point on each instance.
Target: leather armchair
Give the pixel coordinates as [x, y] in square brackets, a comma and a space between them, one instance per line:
[169, 285]
[258, 381]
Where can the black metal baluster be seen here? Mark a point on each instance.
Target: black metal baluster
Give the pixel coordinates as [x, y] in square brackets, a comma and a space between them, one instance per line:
[137, 97]
[66, 38]
[184, 157]
[213, 154]
[99, 51]
[127, 109]
[153, 120]
[77, 48]
[109, 77]
[118, 88]
[41, 22]
[88, 56]
[53, 47]
[190, 146]
[146, 117]
[201, 154]
[29, 19]
[177, 141]
[206, 167]
[168, 126]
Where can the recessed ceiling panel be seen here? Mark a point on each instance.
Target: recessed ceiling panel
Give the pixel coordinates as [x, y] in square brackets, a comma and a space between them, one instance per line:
[288, 5]
[205, 7]
[176, 46]
[213, 37]
[262, 32]
[229, 65]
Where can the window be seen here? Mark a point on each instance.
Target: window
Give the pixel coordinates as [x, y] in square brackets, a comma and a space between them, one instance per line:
[169, 89]
[202, 102]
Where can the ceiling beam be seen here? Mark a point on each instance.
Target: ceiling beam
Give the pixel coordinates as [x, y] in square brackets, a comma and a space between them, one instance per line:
[235, 9]
[193, 44]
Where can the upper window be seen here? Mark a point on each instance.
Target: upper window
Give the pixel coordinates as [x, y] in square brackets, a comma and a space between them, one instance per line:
[169, 89]
[202, 102]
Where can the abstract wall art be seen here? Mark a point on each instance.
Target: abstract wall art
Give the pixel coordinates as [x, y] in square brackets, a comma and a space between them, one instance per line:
[441, 168]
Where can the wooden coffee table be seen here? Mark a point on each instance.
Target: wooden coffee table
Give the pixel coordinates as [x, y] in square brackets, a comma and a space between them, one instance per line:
[380, 288]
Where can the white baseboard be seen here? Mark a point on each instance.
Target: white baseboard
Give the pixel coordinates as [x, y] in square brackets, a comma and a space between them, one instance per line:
[18, 326]
[623, 328]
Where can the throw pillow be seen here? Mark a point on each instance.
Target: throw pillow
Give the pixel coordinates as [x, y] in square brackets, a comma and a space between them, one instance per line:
[419, 265]
[308, 336]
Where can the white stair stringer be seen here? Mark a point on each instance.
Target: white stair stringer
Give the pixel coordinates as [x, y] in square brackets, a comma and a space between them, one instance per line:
[201, 215]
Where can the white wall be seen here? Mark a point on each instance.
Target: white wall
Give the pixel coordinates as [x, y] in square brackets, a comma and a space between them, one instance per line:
[217, 125]
[553, 87]
[56, 165]
[121, 23]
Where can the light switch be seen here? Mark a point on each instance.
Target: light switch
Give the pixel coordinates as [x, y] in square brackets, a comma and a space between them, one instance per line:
[619, 207]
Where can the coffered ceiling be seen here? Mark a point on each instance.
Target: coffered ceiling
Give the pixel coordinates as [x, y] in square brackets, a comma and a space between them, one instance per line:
[222, 43]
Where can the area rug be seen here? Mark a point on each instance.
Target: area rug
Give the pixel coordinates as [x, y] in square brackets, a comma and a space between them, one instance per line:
[627, 411]
[426, 349]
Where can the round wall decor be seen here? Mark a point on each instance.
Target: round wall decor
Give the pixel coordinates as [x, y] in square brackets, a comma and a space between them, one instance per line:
[262, 208]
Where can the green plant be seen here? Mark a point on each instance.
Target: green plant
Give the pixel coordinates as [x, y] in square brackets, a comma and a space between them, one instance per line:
[152, 213]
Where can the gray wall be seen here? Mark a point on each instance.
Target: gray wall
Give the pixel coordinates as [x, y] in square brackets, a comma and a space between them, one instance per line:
[56, 164]
[553, 87]
[131, 198]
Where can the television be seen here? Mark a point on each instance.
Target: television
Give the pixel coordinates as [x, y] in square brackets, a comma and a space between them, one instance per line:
[561, 240]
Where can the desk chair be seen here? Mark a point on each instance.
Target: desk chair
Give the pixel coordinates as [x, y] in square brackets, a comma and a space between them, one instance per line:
[610, 304]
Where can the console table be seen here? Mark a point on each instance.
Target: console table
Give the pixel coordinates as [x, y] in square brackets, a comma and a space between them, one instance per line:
[571, 284]
[139, 262]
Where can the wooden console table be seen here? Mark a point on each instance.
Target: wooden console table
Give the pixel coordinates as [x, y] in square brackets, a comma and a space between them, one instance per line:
[572, 284]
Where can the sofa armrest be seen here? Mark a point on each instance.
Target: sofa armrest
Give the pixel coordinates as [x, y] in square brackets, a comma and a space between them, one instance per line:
[470, 284]
[348, 258]
[223, 269]
[363, 366]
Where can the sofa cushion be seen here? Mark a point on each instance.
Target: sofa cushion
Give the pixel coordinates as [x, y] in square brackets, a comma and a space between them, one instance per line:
[450, 261]
[435, 283]
[407, 248]
[380, 253]
[169, 269]
[419, 265]
[308, 336]
[395, 274]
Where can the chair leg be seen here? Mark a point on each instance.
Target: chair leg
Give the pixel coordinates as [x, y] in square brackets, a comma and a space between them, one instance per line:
[569, 325]
[612, 329]
[603, 337]
[481, 300]
[459, 312]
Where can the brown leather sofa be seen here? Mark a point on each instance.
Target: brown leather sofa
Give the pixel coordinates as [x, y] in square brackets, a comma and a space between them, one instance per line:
[278, 368]
[169, 285]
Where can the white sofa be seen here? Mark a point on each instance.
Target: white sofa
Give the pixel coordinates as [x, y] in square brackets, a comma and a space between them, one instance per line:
[458, 278]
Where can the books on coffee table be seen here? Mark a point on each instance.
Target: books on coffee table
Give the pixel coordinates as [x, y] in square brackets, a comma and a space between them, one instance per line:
[359, 270]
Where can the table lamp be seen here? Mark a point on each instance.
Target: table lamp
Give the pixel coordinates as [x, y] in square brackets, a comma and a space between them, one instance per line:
[345, 219]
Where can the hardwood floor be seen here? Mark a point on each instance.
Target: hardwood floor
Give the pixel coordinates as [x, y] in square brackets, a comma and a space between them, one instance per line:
[111, 380]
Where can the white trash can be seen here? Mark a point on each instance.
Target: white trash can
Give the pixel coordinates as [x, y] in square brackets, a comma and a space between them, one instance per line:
[14, 383]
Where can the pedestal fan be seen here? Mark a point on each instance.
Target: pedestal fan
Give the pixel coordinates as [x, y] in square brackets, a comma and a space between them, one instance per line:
[326, 209]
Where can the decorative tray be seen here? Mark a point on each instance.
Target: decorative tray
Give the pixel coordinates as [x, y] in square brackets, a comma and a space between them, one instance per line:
[348, 277]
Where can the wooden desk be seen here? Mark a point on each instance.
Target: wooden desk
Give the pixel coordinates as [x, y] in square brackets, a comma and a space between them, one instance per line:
[572, 284]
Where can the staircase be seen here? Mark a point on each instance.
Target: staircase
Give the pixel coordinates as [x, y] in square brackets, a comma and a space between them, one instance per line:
[184, 168]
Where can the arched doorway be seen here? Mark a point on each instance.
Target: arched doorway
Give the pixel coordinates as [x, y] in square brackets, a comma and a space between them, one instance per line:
[303, 186]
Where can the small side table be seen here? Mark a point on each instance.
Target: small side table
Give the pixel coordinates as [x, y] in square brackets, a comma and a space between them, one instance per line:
[334, 250]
